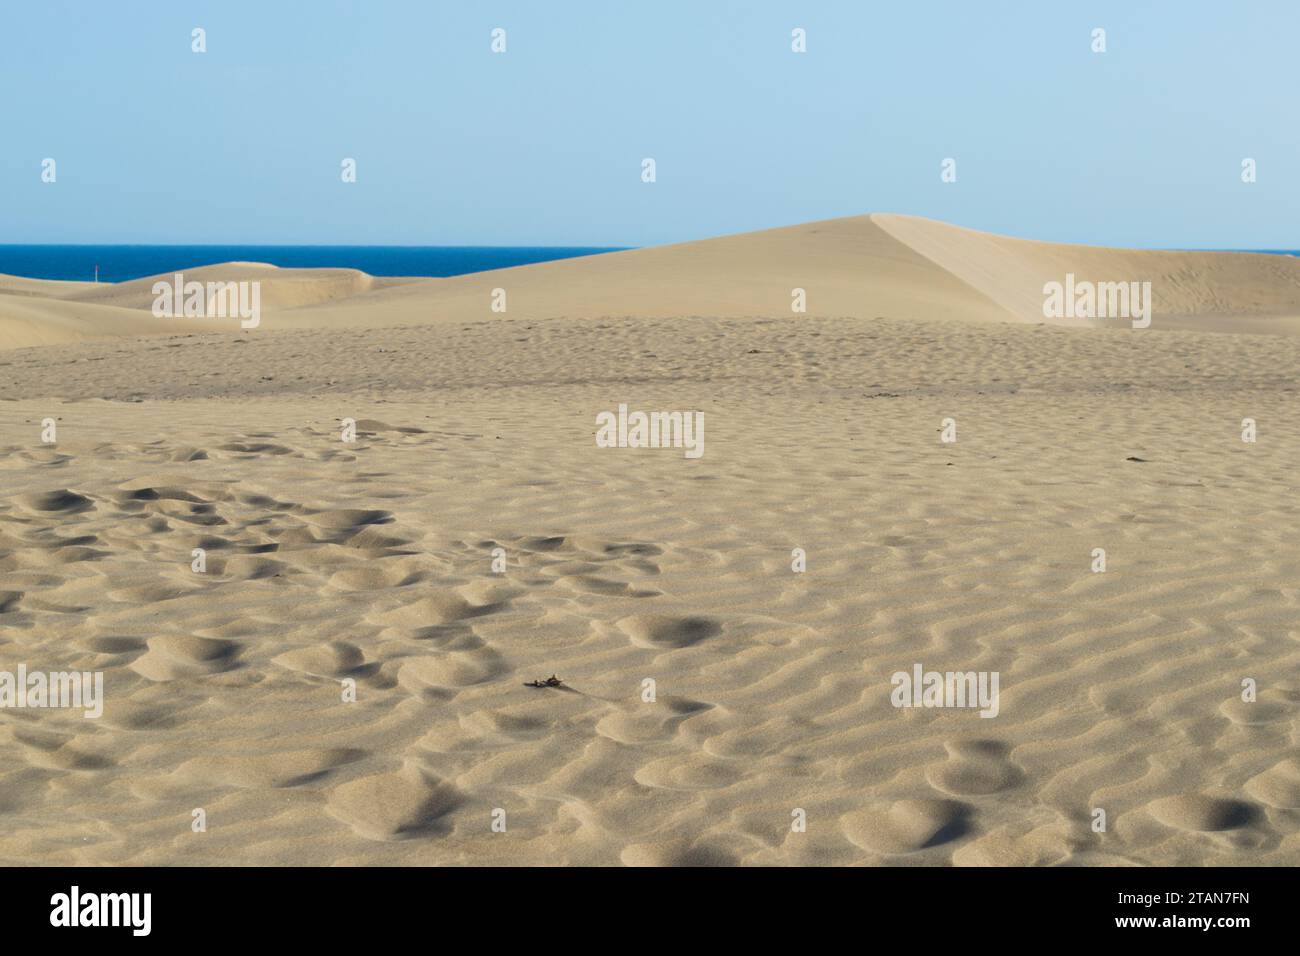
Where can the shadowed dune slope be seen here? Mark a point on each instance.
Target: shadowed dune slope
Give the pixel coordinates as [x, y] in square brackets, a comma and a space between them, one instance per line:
[1212, 291]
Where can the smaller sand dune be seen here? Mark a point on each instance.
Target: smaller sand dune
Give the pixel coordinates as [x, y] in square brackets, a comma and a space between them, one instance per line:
[44, 312]
[32, 320]
[280, 288]
[44, 288]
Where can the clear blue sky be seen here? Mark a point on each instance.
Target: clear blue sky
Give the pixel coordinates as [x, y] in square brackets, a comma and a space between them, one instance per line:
[542, 145]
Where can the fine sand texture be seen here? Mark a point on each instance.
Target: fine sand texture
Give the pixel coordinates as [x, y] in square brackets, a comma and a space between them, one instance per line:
[345, 682]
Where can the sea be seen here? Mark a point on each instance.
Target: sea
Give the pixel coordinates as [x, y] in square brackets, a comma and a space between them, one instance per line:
[120, 263]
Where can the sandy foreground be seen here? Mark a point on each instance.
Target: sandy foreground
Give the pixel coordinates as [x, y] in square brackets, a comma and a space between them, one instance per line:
[333, 564]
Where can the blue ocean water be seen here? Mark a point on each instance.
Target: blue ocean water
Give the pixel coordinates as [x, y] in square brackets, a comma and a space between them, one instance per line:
[119, 263]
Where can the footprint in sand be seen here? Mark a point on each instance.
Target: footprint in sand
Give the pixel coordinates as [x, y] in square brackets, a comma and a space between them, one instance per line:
[201, 515]
[150, 593]
[187, 453]
[644, 723]
[394, 806]
[248, 567]
[265, 503]
[61, 501]
[73, 555]
[377, 575]
[286, 769]
[975, 767]
[762, 738]
[61, 752]
[1196, 811]
[665, 632]
[441, 607]
[1269, 707]
[449, 669]
[678, 852]
[371, 541]
[1046, 845]
[543, 544]
[132, 715]
[633, 549]
[291, 539]
[1119, 701]
[46, 458]
[112, 644]
[255, 448]
[438, 608]
[151, 493]
[906, 826]
[371, 426]
[174, 656]
[346, 518]
[333, 660]
[503, 726]
[635, 557]
[688, 772]
[1278, 786]
[594, 584]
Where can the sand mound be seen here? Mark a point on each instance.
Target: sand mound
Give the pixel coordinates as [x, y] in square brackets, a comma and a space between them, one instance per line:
[280, 288]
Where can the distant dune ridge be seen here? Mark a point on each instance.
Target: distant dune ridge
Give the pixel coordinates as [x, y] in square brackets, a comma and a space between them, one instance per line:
[861, 267]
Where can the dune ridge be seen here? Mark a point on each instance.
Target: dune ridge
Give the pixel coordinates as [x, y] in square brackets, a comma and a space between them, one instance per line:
[859, 267]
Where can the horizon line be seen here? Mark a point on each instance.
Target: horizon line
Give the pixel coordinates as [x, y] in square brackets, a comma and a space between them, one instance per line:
[616, 248]
[291, 245]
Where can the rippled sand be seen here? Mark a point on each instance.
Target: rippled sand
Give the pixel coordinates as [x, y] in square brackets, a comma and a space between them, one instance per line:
[368, 564]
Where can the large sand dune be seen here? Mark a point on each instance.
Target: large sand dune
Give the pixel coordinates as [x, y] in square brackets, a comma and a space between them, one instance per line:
[860, 267]
[369, 563]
